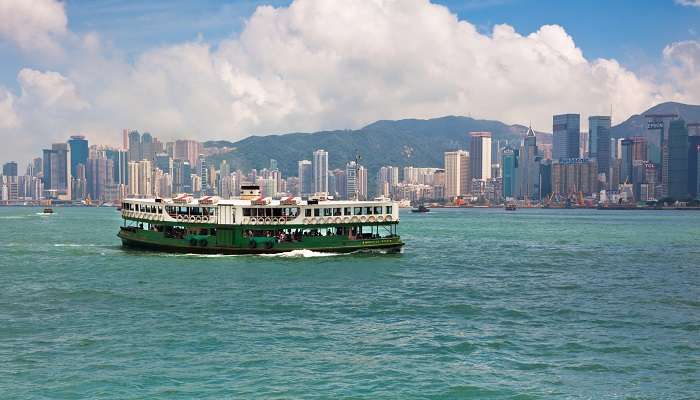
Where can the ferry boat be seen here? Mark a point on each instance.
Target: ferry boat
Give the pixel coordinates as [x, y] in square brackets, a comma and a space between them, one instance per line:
[253, 224]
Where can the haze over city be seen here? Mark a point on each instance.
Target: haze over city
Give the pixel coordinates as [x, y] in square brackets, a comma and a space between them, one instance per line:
[230, 70]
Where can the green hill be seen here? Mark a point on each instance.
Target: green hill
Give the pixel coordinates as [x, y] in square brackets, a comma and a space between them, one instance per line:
[400, 143]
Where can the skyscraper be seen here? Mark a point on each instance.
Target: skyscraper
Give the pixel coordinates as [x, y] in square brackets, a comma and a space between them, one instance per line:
[78, 153]
[676, 169]
[147, 147]
[351, 184]
[135, 153]
[509, 163]
[320, 167]
[187, 150]
[480, 155]
[693, 163]
[9, 169]
[566, 130]
[456, 166]
[306, 178]
[528, 171]
[99, 176]
[120, 165]
[656, 135]
[362, 183]
[599, 142]
[57, 172]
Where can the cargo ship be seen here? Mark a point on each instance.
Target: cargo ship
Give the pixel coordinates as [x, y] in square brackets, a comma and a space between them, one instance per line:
[253, 224]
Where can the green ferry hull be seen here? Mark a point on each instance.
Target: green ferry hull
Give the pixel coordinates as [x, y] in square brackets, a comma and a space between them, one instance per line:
[149, 240]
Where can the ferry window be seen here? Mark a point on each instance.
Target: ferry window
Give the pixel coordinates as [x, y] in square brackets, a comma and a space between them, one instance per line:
[327, 212]
[276, 212]
[357, 211]
[368, 210]
[336, 212]
[317, 212]
[307, 212]
[388, 210]
[268, 212]
[378, 210]
[347, 211]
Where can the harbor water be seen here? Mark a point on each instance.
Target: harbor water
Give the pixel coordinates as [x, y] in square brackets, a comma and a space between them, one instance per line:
[482, 303]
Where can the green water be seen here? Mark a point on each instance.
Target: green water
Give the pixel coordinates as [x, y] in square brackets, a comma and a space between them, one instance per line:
[483, 304]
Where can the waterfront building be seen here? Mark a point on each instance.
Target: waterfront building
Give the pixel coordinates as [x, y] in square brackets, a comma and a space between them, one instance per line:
[320, 171]
[510, 164]
[584, 144]
[545, 178]
[528, 169]
[573, 175]
[362, 190]
[566, 129]
[9, 169]
[480, 155]
[599, 142]
[675, 165]
[133, 180]
[164, 162]
[457, 178]
[305, 175]
[78, 153]
[351, 181]
[120, 165]
[694, 162]
[100, 178]
[57, 172]
[655, 136]
[644, 173]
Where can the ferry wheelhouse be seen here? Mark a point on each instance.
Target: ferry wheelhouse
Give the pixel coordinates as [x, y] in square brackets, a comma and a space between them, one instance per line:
[253, 224]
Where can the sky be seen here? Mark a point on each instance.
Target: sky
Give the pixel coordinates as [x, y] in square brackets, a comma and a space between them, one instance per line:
[228, 69]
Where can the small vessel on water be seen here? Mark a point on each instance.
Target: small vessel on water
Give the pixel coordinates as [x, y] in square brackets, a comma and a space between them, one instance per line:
[48, 210]
[253, 224]
[510, 206]
[421, 209]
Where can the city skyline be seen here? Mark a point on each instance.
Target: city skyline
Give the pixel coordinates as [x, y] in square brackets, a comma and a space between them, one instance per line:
[223, 84]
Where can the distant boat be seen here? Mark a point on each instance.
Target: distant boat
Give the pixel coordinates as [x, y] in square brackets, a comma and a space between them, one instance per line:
[421, 209]
[48, 210]
[510, 206]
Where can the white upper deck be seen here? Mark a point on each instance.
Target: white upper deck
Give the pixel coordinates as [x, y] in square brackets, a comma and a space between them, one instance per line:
[259, 210]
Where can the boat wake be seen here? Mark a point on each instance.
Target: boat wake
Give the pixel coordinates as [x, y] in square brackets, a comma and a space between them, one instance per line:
[303, 253]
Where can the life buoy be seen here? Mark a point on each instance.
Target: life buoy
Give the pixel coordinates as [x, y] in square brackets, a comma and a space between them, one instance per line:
[380, 218]
[198, 219]
[363, 218]
[389, 218]
[371, 219]
[192, 218]
[178, 217]
[338, 220]
[268, 220]
[275, 220]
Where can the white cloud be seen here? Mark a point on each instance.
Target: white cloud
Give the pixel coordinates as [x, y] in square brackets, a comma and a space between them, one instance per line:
[325, 65]
[692, 3]
[8, 118]
[48, 90]
[33, 25]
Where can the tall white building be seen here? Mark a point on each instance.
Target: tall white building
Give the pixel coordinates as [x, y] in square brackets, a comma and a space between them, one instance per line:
[320, 166]
[351, 184]
[306, 178]
[480, 155]
[456, 167]
[145, 183]
[133, 178]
